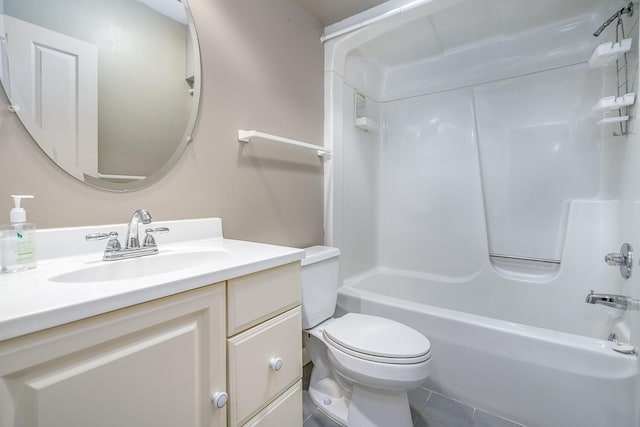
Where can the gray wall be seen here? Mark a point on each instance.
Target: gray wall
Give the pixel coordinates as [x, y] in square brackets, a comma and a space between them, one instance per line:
[262, 69]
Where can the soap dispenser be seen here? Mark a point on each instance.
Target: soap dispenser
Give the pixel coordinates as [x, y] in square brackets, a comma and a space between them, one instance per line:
[18, 239]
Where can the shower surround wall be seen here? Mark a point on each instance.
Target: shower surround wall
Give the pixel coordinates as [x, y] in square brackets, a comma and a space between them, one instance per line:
[486, 146]
[525, 144]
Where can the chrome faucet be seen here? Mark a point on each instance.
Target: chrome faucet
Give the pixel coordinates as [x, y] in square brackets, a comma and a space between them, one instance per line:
[620, 302]
[132, 248]
[140, 215]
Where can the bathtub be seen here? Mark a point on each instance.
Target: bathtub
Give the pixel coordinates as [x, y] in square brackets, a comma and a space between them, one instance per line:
[534, 376]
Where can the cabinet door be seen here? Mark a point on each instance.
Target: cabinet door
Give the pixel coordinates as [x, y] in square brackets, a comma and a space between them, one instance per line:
[155, 364]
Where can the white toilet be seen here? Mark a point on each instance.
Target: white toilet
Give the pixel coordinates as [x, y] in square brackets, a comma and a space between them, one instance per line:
[363, 365]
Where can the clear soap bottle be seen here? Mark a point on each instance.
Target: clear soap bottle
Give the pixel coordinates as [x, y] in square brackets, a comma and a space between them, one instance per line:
[18, 240]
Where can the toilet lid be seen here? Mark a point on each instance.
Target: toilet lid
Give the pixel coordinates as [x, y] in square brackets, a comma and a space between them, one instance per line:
[382, 339]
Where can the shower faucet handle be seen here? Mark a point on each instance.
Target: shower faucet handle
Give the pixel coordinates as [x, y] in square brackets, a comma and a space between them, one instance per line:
[614, 259]
[624, 259]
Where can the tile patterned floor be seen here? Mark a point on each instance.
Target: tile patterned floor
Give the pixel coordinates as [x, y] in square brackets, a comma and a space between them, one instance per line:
[428, 409]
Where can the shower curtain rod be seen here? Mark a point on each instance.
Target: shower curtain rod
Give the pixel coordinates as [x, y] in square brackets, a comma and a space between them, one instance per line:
[628, 10]
[370, 21]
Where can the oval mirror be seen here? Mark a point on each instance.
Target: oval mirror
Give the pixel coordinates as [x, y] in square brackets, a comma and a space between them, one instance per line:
[109, 90]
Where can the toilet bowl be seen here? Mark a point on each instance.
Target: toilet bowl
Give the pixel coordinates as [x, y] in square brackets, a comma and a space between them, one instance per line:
[363, 365]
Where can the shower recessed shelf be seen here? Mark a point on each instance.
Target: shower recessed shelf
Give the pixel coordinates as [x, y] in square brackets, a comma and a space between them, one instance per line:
[610, 103]
[367, 124]
[362, 114]
[607, 53]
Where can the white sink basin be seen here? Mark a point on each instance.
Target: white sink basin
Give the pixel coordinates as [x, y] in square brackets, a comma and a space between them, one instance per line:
[132, 268]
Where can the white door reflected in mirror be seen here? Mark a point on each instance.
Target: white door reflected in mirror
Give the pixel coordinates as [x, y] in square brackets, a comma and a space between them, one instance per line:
[55, 85]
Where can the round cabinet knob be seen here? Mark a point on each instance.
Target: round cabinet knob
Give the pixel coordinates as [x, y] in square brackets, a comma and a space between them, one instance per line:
[219, 399]
[275, 363]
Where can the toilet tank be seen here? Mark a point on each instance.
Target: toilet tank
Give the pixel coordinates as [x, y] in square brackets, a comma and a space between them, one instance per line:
[319, 284]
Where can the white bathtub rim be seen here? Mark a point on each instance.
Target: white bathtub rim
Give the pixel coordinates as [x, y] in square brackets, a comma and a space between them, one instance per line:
[568, 304]
[556, 337]
[625, 366]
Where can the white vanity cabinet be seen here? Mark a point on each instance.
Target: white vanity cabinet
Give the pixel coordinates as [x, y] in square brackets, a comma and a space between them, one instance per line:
[153, 364]
[159, 363]
[265, 348]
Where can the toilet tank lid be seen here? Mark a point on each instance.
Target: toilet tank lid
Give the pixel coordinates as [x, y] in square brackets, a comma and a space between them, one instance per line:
[315, 254]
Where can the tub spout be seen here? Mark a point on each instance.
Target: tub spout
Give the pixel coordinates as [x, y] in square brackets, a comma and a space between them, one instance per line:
[620, 302]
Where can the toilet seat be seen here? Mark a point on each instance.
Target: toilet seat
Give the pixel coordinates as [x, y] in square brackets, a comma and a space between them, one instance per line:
[377, 339]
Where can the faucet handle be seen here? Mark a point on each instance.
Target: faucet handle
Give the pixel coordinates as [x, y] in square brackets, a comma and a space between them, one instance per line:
[624, 259]
[149, 240]
[614, 259]
[112, 245]
[101, 236]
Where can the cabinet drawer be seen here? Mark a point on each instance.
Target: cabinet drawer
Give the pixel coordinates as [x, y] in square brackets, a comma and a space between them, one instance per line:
[286, 410]
[257, 297]
[253, 383]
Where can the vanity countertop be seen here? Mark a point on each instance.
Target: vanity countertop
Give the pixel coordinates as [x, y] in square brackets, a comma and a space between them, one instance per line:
[30, 301]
